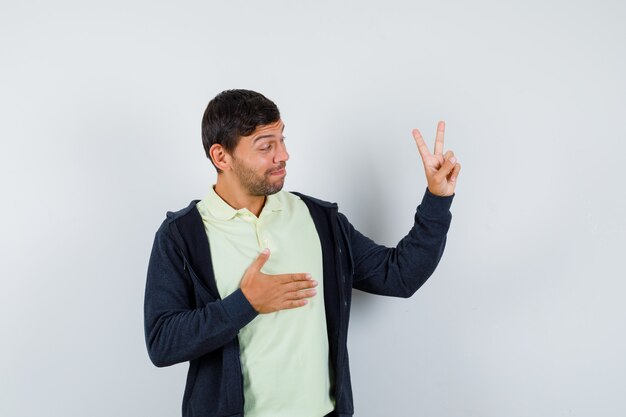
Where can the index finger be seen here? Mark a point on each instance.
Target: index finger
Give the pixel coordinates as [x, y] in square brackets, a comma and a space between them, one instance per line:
[287, 278]
[258, 263]
[441, 128]
[421, 145]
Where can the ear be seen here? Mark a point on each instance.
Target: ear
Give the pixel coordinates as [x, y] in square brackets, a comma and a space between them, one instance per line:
[220, 157]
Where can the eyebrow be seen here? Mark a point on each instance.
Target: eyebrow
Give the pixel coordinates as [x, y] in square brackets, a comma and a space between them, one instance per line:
[266, 136]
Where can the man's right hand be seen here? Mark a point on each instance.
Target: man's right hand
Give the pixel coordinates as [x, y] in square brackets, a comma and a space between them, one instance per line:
[270, 293]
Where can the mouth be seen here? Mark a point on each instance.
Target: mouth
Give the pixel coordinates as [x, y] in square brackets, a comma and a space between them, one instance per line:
[279, 172]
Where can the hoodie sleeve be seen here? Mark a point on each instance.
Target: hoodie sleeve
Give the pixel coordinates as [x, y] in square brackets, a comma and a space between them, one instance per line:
[402, 270]
[176, 328]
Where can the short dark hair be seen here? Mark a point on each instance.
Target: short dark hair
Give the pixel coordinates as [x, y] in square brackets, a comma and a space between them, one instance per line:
[235, 113]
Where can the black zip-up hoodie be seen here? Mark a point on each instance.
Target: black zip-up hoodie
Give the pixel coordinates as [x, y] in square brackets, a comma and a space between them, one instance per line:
[186, 320]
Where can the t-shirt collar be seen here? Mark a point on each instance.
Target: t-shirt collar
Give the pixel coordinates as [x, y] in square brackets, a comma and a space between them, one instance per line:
[222, 211]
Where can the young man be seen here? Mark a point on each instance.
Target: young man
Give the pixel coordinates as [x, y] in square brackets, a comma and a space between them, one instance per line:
[252, 285]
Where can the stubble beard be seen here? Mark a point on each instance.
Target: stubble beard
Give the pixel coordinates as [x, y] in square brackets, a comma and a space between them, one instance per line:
[254, 184]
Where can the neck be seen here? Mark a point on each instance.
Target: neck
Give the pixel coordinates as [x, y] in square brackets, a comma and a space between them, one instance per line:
[237, 198]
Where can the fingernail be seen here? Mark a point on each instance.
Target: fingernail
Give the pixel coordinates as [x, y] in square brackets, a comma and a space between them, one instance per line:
[453, 160]
[266, 251]
[314, 283]
[308, 276]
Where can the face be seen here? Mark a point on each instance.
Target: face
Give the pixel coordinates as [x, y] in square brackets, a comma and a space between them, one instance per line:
[259, 160]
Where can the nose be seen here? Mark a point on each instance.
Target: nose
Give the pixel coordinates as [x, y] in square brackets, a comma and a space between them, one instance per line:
[281, 153]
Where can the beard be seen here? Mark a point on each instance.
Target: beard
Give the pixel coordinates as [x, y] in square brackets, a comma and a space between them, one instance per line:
[258, 185]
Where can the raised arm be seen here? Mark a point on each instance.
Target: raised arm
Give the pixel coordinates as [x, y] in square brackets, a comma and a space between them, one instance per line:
[400, 271]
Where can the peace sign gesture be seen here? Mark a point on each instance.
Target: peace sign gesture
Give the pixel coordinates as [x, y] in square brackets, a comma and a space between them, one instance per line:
[441, 169]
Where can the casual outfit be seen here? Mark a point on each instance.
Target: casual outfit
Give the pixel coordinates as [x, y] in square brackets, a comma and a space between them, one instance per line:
[191, 316]
[284, 355]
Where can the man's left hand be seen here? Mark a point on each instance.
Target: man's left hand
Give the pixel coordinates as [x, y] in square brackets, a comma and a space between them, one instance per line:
[442, 170]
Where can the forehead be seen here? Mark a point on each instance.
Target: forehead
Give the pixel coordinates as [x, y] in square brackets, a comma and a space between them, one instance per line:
[271, 129]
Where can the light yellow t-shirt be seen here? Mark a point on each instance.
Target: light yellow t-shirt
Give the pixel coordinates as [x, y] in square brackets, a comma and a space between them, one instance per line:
[284, 355]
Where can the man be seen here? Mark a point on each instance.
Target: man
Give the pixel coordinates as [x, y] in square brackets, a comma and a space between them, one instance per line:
[252, 285]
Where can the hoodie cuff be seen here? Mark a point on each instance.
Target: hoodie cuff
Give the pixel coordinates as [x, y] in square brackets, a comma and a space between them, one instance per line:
[434, 206]
[239, 308]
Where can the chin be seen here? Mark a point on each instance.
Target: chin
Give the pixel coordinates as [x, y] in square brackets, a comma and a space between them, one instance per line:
[277, 187]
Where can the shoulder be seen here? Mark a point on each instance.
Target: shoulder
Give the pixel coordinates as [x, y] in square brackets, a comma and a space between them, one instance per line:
[308, 200]
[171, 217]
[320, 209]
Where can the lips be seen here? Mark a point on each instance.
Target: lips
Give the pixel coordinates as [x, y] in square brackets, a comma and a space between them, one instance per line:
[281, 171]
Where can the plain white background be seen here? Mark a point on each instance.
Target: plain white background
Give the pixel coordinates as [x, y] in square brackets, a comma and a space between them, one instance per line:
[100, 106]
